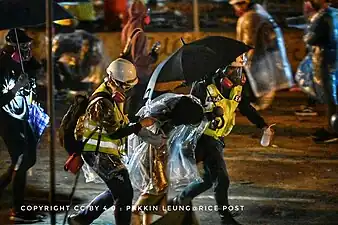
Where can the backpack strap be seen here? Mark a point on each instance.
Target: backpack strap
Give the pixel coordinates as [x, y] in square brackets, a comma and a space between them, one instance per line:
[127, 47]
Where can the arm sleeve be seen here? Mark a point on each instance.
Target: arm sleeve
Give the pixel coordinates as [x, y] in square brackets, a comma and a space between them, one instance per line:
[200, 91]
[6, 98]
[251, 113]
[248, 29]
[139, 51]
[318, 31]
[126, 131]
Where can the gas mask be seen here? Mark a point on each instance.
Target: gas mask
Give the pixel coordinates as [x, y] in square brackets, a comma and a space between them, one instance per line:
[119, 88]
[232, 76]
[25, 50]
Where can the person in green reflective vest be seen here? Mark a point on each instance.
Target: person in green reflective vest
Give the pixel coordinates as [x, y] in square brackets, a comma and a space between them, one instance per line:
[221, 96]
[106, 127]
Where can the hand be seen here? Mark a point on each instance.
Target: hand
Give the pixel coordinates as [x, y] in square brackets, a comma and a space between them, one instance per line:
[154, 55]
[271, 129]
[147, 122]
[156, 47]
[22, 81]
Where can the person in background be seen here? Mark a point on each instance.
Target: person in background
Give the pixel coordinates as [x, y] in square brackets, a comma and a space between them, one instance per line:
[256, 28]
[16, 95]
[134, 42]
[106, 128]
[322, 36]
[308, 109]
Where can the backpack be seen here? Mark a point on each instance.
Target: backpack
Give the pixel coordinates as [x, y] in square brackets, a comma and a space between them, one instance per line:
[126, 53]
[68, 124]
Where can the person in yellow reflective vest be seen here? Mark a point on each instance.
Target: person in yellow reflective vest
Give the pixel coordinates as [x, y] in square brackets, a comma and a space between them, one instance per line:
[221, 95]
[106, 128]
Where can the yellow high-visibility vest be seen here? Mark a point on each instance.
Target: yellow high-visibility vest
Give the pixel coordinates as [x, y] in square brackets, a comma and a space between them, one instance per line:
[107, 145]
[229, 107]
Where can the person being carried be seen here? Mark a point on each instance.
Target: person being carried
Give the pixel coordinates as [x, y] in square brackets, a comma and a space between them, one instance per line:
[151, 161]
[134, 42]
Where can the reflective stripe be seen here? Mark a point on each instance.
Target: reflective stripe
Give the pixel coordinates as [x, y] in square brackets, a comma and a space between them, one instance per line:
[229, 107]
[104, 144]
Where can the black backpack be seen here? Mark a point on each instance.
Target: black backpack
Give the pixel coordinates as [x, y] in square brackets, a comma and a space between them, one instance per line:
[126, 53]
[76, 110]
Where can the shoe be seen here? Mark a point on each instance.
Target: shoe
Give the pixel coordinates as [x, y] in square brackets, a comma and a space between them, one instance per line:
[307, 111]
[77, 220]
[25, 217]
[330, 138]
[321, 133]
[229, 221]
[173, 202]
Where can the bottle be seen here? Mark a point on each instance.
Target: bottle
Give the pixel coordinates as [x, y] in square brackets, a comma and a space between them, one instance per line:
[267, 136]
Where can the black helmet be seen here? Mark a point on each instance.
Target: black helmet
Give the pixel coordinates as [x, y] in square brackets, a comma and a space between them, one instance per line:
[12, 39]
[22, 37]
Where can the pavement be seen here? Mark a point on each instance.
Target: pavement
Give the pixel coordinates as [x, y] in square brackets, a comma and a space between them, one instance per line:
[294, 181]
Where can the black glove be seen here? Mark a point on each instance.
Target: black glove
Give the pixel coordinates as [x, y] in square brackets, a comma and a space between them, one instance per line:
[154, 50]
[154, 55]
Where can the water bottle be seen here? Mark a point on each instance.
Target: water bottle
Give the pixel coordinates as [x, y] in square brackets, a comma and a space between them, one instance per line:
[267, 136]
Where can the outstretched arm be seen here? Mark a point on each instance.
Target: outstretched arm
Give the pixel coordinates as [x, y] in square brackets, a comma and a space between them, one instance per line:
[251, 113]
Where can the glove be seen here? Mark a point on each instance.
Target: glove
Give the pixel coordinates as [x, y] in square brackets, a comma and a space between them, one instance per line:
[154, 55]
[154, 50]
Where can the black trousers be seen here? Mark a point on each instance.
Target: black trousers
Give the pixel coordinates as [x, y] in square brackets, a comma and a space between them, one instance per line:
[210, 151]
[118, 195]
[19, 140]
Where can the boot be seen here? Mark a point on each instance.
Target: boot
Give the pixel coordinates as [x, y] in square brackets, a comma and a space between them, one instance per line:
[77, 220]
[227, 219]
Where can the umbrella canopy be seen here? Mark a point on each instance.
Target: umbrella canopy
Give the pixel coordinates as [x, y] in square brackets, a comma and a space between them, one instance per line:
[190, 63]
[195, 61]
[26, 13]
[227, 49]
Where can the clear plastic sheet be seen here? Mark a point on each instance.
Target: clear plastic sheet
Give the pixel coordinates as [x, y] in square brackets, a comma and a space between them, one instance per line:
[83, 53]
[269, 69]
[149, 164]
[90, 175]
[305, 80]
[182, 163]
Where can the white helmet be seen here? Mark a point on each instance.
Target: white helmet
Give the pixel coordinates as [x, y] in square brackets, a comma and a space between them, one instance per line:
[234, 2]
[122, 70]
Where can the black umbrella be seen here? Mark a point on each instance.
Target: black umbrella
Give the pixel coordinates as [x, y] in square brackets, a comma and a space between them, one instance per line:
[27, 13]
[227, 49]
[193, 62]
[190, 63]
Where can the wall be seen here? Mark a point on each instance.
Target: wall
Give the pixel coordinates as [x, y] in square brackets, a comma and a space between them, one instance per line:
[170, 41]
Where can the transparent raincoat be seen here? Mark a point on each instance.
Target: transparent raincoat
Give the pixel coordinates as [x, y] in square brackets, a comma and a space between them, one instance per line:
[323, 38]
[269, 68]
[159, 158]
[306, 81]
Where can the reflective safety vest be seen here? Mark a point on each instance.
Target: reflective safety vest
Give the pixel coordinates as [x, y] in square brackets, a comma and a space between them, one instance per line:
[107, 145]
[229, 107]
